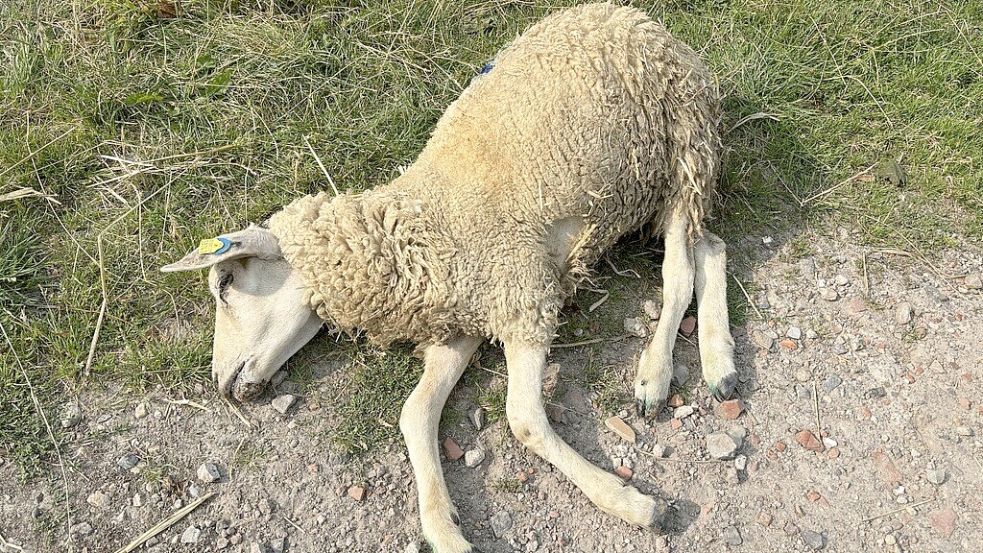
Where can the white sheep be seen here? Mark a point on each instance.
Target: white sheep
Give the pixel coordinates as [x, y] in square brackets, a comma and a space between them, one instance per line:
[591, 125]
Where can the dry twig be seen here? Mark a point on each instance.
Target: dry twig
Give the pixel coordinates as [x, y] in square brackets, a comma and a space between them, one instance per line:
[165, 524]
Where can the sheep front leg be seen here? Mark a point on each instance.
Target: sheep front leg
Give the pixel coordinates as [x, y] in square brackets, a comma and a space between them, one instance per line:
[655, 365]
[527, 419]
[418, 421]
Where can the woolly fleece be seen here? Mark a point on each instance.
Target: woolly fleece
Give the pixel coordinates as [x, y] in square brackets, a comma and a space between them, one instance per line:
[592, 124]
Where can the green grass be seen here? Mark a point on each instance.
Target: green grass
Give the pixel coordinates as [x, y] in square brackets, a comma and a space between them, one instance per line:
[153, 130]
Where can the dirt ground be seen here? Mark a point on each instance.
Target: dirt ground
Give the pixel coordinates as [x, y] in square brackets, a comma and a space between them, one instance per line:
[890, 342]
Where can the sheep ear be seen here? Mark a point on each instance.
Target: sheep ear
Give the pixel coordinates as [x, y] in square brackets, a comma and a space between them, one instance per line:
[251, 242]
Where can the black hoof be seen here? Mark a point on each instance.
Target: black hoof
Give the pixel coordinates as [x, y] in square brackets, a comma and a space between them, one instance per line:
[725, 389]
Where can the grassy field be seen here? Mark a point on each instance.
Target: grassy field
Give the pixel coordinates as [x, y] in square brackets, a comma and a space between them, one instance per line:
[129, 129]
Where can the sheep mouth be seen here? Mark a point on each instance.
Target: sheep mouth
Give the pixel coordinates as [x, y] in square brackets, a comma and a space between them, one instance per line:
[244, 390]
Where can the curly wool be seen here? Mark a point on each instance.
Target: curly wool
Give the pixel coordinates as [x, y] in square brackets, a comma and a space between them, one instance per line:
[593, 124]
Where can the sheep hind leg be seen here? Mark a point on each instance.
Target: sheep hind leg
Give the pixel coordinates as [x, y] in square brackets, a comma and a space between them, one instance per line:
[716, 343]
[443, 366]
[655, 365]
[527, 419]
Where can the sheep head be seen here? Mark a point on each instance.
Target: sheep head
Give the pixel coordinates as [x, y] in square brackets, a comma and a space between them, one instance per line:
[262, 316]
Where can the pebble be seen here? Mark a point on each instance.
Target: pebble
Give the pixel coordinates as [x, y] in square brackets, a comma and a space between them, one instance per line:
[652, 309]
[621, 428]
[764, 519]
[831, 382]
[789, 344]
[973, 282]
[936, 476]
[209, 473]
[624, 472]
[683, 411]
[740, 462]
[688, 325]
[500, 523]
[762, 340]
[474, 457]
[477, 418]
[814, 540]
[841, 280]
[412, 547]
[81, 529]
[808, 440]
[357, 493]
[829, 294]
[722, 445]
[636, 327]
[964, 431]
[731, 409]
[803, 375]
[98, 500]
[452, 451]
[732, 536]
[903, 313]
[659, 451]
[191, 535]
[71, 416]
[128, 461]
[282, 403]
[794, 332]
[140, 411]
[675, 400]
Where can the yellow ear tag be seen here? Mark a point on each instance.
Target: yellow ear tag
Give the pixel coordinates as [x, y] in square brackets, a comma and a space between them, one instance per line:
[214, 245]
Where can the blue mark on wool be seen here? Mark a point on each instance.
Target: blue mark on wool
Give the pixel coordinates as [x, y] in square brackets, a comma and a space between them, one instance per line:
[486, 68]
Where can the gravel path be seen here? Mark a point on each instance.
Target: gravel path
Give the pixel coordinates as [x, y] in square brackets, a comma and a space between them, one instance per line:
[888, 458]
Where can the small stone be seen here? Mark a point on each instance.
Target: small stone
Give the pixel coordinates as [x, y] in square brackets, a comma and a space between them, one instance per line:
[98, 500]
[740, 462]
[814, 540]
[452, 451]
[140, 411]
[762, 340]
[636, 327]
[856, 305]
[477, 418]
[190, 535]
[890, 539]
[282, 403]
[675, 424]
[621, 428]
[944, 521]
[875, 393]
[137, 500]
[829, 443]
[556, 413]
[841, 280]
[209, 473]
[964, 431]
[732, 536]
[500, 523]
[71, 416]
[803, 375]
[279, 545]
[973, 281]
[659, 451]
[357, 493]
[829, 294]
[763, 519]
[81, 529]
[831, 383]
[813, 495]
[688, 325]
[808, 440]
[788, 344]
[903, 313]
[731, 409]
[413, 547]
[128, 461]
[683, 411]
[652, 309]
[833, 453]
[794, 332]
[936, 476]
[221, 543]
[680, 374]
[474, 457]
[721, 445]
[260, 547]
[675, 400]
[624, 472]
[780, 446]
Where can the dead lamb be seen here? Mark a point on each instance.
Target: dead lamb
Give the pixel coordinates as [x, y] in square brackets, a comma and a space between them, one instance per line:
[593, 124]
